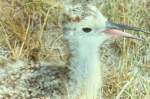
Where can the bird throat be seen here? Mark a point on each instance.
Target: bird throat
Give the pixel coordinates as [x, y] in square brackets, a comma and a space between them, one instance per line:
[85, 75]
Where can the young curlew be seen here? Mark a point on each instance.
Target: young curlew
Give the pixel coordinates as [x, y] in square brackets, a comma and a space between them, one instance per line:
[85, 30]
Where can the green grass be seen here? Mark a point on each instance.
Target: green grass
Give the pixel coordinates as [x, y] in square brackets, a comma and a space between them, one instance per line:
[32, 30]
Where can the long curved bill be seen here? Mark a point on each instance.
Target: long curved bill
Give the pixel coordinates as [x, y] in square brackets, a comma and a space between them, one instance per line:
[115, 30]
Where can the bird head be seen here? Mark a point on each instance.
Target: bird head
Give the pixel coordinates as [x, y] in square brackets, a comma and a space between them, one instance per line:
[87, 22]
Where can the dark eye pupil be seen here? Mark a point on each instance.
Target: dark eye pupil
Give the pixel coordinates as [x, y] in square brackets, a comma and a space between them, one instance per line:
[87, 29]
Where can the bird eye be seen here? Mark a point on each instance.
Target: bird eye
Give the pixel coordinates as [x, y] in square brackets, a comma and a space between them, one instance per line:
[87, 29]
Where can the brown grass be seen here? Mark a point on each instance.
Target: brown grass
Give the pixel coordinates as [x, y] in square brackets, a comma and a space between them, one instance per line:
[32, 30]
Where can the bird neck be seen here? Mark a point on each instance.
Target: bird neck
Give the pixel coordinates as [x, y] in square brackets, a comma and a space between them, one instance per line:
[85, 72]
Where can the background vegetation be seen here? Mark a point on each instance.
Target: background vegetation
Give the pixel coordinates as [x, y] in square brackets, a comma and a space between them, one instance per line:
[31, 31]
